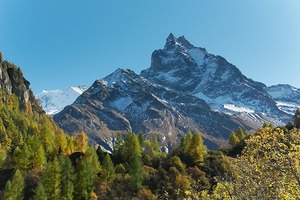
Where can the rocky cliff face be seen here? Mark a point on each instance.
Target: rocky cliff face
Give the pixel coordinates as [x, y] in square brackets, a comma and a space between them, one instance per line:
[13, 82]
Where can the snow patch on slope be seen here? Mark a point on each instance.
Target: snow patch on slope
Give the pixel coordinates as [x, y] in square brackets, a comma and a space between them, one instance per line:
[287, 107]
[197, 55]
[235, 108]
[122, 103]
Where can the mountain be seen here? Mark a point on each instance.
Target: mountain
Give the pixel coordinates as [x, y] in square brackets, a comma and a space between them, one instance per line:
[53, 101]
[125, 101]
[192, 70]
[287, 97]
[185, 88]
[13, 82]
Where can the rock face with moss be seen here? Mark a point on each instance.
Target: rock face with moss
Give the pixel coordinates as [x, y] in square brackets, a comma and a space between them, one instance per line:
[13, 82]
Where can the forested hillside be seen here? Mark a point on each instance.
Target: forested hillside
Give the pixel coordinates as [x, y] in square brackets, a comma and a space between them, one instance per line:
[39, 161]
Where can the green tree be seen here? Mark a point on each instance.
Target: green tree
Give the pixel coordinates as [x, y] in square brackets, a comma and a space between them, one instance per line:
[47, 139]
[197, 150]
[233, 139]
[297, 118]
[118, 150]
[152, 154]
[39, 158]
[51, 179]
[61, 143]
[240, 134]
[86, 174]
[267, 169]
[23, 157]
[108, 169]
[67, 178]
[14, 189]
[141, 139]
[134, 155]
[81, 141]
[176, 162]
[186, 142]
[40, 193]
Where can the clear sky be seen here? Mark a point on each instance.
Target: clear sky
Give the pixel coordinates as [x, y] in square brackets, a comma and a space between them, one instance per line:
[61, 43]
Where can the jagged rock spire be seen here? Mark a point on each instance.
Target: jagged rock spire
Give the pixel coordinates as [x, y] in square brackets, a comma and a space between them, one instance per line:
[171, 41]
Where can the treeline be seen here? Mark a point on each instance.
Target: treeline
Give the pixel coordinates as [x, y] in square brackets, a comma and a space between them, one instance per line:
[39, 161]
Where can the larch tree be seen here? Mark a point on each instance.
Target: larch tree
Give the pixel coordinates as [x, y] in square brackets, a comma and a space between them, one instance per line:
[197, 150]
[14, 189]
[82, 141]
[51, 179]
[233, 139]
[40, 193]
[240, 134]
[268, 167]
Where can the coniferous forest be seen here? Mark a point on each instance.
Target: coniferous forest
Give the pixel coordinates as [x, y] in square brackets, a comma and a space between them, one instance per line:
[39, 161]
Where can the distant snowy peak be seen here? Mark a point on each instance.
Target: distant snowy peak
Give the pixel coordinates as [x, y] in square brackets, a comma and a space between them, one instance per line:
[53, 101]
[286, 96]
[284, 92]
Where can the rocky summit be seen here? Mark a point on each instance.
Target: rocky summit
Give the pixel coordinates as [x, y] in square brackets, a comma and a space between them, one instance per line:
[185, 88]
[192, 70]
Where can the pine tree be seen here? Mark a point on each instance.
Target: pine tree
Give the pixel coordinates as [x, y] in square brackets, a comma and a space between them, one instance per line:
[67, 178]
[118, 151]
[14, 189]
[23, 157]
[47, 139]
[186, 142]
[85, 180]
[108, 169]
[240, 134]
[297, 118]
[151, 152]
[40, 193]
[136, 169]
[86, 174]
[39, 158]
[51, 179]
[141, 139]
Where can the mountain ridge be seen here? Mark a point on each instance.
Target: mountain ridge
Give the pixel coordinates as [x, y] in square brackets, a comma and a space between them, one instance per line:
[185, 88]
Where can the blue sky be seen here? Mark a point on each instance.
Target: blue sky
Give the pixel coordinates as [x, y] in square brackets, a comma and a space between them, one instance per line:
[67, 43]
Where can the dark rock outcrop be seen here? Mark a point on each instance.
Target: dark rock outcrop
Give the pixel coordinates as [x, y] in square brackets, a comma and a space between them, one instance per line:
[12, 81]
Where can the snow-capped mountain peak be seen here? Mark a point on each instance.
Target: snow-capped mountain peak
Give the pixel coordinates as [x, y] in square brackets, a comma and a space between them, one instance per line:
[286, 96]
[53, 101]
[192, 70]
